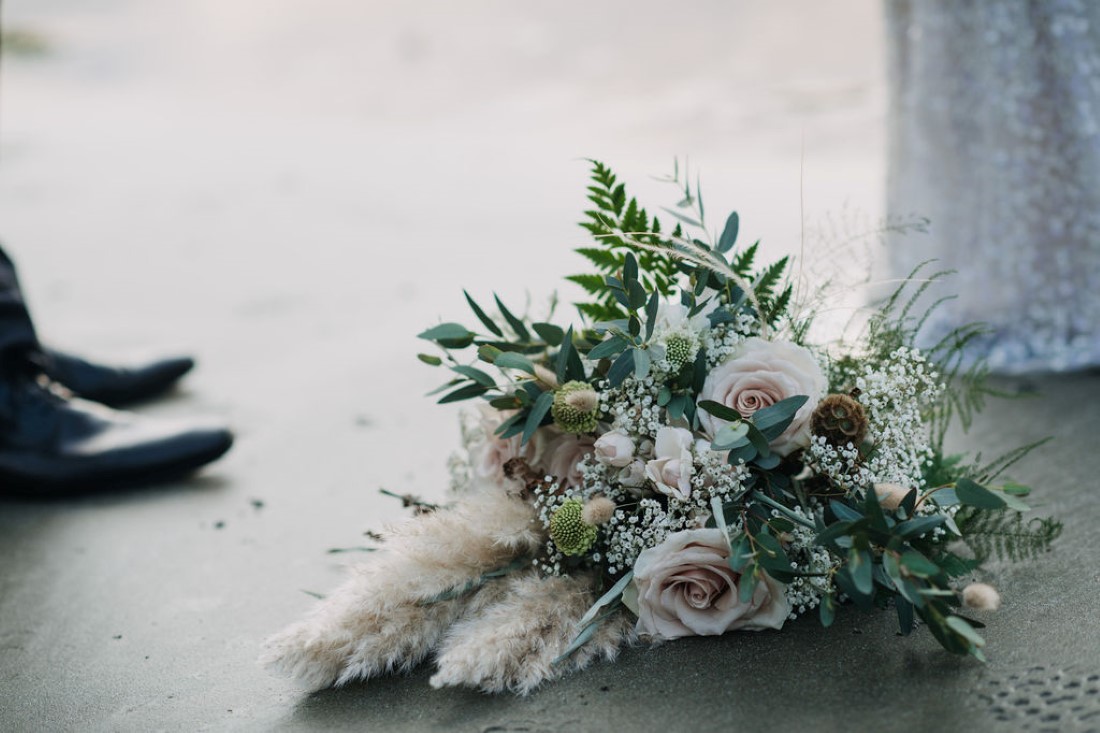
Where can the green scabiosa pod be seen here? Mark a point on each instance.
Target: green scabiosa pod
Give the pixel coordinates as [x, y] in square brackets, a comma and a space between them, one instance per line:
[575, 407]
[570, 533]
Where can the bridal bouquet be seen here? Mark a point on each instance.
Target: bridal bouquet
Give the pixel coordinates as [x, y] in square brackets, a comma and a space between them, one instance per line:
[681, 461]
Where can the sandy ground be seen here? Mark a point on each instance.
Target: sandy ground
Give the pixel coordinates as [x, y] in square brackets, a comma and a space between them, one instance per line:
[291, 191]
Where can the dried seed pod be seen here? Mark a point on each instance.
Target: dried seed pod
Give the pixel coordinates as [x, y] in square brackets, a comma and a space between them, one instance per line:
[840, 419]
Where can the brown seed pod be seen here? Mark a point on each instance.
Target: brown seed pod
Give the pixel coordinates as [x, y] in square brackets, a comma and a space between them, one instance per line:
[840, 419]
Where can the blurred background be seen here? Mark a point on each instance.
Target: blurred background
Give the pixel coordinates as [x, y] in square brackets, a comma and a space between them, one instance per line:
[293, 190]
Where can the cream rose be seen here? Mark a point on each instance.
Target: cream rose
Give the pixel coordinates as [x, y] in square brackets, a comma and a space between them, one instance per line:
[614, 448]
[563, 456]
[672, 466]
[759, 374]
[686, 588]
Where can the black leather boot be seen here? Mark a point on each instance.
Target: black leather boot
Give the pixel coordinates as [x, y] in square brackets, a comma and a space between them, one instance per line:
[114, 385]
[53, 444]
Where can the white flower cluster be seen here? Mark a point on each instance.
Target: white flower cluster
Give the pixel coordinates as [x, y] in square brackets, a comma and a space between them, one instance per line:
[721, 341]
[547, 500]
[894, 397]
[632, 406]
[843, 466]
[813, 562]
[647, 526]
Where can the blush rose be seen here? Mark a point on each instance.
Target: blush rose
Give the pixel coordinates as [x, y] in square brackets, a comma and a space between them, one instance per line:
[759, 374]
[686, 588]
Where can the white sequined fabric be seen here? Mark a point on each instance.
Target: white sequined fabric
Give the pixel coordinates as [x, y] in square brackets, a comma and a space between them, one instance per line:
[995, 137]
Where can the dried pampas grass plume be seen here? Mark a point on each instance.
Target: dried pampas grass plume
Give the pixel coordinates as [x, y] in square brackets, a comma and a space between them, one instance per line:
[513, 643]
[385, 617]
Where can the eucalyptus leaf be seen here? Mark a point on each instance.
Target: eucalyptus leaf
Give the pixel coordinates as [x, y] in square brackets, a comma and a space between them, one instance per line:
[483, 317]
[651, 314]
[562, 366]
[641, 364]
[447, 332]
[771, 554]
[918, 526]
[859, 565]
[729, 233]
[475, 374]
[743, 453]
[685, 219]
[844, 512]
[610, 347]
[747, 584]
[732, 435]
[903, 585]
[488, 353]
[720, 411]
[464, 393]
[517, 325]
[832, 532]
[759, 441]
[905, 615]
[965, 630]
[511, 426]
[538, 412]
[512, 360]
[630, 270]
[622, 368]
[740, 553]
[973, 494]
[613, 594]
[774, 419]
[549, 333]
[768, 462]
[827, 610]
[429, 359]
[918, 565]
[945, 497]
[1014, 503]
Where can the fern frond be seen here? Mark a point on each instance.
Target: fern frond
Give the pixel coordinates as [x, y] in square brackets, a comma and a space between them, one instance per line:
[742, 264]
[619, 225]
[593, 284]
[766, 281]
[1003, 534]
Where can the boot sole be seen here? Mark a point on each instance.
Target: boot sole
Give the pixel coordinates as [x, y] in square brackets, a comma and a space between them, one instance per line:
[28, 487]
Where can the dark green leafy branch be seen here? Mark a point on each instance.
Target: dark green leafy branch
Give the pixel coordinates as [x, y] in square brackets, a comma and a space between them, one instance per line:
[513, 345]
[666, 263]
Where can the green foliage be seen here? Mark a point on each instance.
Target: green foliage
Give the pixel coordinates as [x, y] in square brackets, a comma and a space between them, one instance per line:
[770, 292]
[893, 556]
[619, 226]
[1004, 535]
[895, 324]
